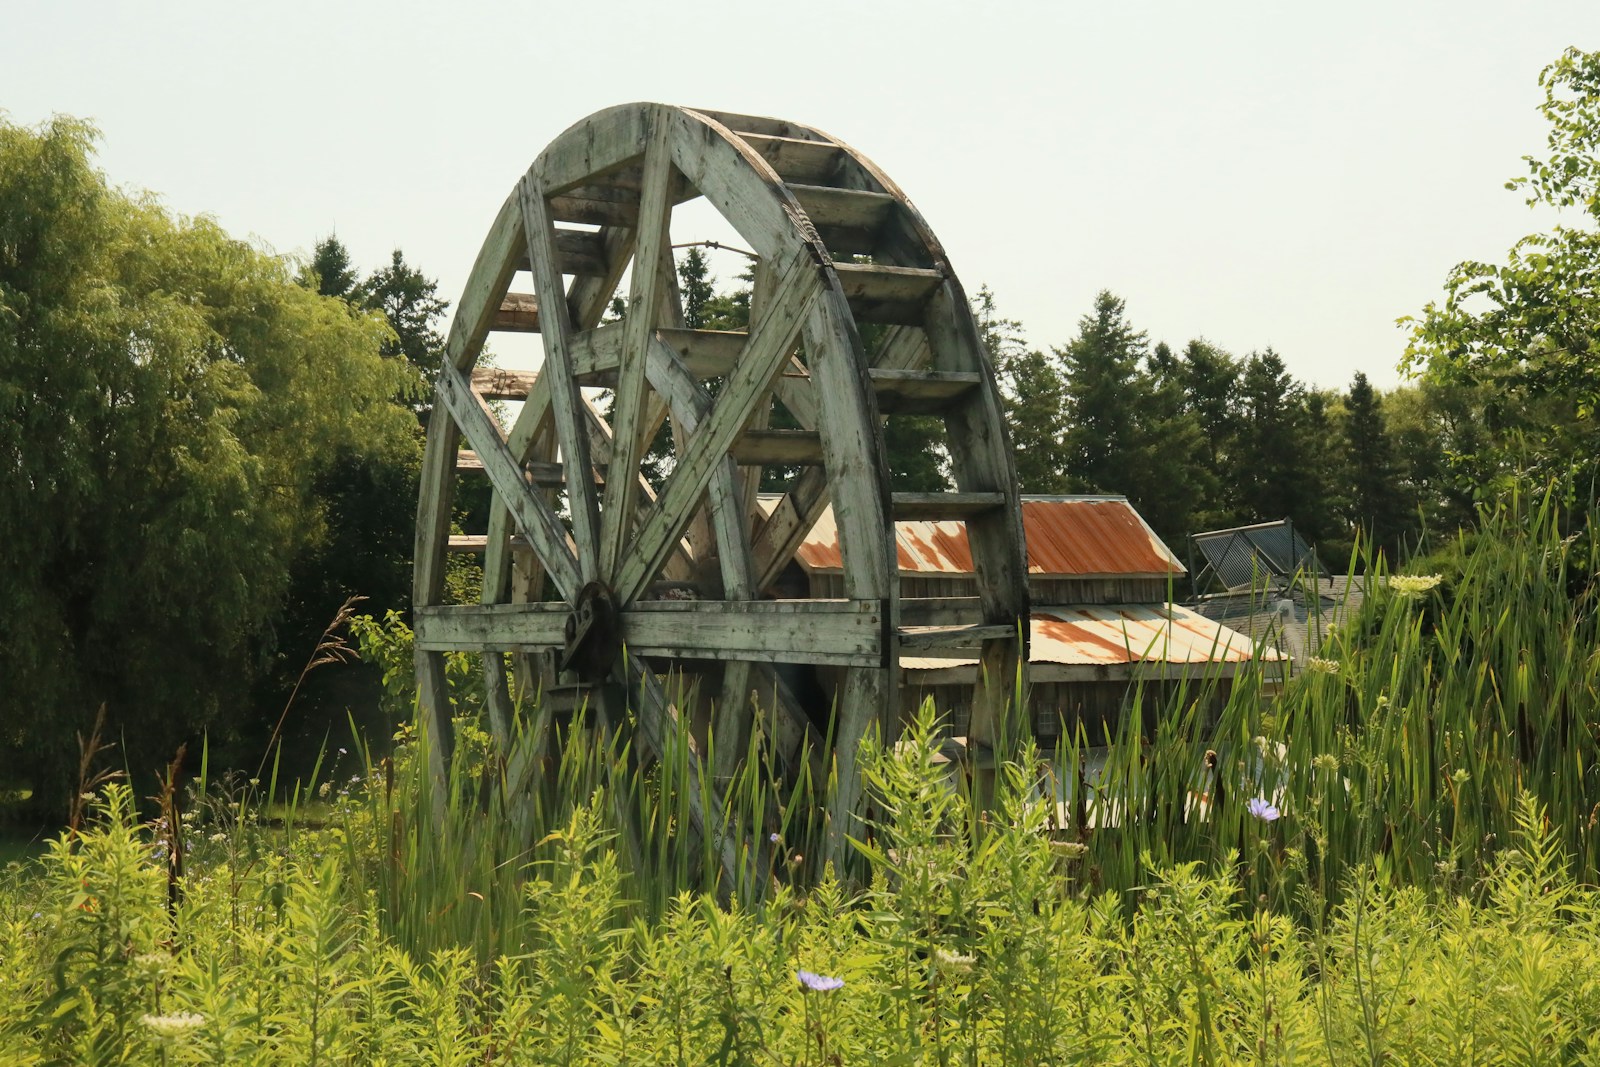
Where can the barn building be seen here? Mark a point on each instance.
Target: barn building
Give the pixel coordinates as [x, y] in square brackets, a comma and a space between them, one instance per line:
[1103, 623]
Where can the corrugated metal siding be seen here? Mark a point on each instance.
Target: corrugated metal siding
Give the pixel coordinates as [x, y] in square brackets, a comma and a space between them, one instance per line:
[1122, 633]
[1068, 536]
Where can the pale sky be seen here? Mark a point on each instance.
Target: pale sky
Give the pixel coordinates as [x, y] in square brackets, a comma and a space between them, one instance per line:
[1258, 174]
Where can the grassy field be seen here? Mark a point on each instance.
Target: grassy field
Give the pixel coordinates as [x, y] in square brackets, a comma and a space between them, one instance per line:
[1392, 861]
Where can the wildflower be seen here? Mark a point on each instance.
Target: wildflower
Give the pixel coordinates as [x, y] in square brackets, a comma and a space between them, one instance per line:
[152, 963]
[1413, 586]
[1069, 850]
[1460, 776]
[341, 752]
[1327, 761]
[255, 782]
[172, 1027]
[818, 983]
[218, 838]
[323, 789]
[1318, 665]
[1263, 810]
[955, 961]
[775, 837]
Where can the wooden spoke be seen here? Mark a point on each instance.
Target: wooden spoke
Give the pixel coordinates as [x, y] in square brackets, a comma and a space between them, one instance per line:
[644, 302]
[533, 516]
[565, 398]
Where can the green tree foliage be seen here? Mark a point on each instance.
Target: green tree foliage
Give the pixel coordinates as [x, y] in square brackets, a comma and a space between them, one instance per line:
[330, 271]
[1269, 466]
[369, 501]
[697, 287]
[1377, 502]
[168, 399]
[1169, 478]
[1032, 390]
[1100, 369]
[409, 302]
[1529, 329]
[1126, 424]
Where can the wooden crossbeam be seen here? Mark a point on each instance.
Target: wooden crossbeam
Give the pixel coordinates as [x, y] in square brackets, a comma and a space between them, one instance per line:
[498, 383]
[787, 447]
[491, 627]
[840, 633]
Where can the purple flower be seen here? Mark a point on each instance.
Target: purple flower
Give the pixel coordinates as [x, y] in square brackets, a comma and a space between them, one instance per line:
[1262, 810]
[818, 983]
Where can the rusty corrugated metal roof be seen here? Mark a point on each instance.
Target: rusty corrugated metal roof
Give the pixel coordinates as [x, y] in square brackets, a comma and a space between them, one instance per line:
[1109, 634]
[1069, 536]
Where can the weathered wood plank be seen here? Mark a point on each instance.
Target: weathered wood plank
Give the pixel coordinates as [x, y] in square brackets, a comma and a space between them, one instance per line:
[496, 627]
[652, 240]
[775, 543]
[940, 611]
[565, 399]
[518, 313]
[582, 252]
[859, 484]
[474, 544]
[593, 210]
[763, 125]
[850, 209]
[501, 383]
[836, 632]
[706, 353]
[935, 640]
[911, 392]
[886, 294]
[605, 142]
[789, 447]
[811, 162]
[940, 506]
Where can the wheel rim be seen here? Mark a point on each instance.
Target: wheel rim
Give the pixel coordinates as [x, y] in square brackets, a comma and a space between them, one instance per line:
[606, 557]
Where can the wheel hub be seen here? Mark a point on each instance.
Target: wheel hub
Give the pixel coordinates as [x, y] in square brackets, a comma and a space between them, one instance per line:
[593, 633]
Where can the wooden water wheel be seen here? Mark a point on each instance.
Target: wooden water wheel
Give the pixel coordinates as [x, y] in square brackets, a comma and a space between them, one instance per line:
[597, 577]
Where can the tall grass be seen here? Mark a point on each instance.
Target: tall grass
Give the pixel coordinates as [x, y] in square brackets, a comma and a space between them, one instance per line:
[1404, 749]
[957, 949]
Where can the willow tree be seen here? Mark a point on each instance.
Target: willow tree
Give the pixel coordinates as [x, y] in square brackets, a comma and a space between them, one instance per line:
[168, 396]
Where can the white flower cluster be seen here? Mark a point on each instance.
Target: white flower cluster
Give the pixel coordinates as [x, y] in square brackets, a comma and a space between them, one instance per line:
[1318, 665]
[1413, 586]
[172, 1027]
